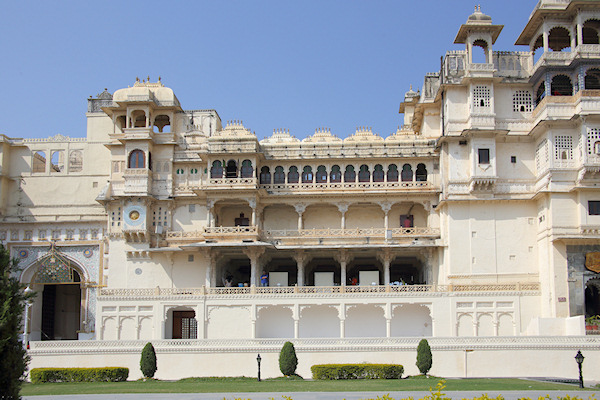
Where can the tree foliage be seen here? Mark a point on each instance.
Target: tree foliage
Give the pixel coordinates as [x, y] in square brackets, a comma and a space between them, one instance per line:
[287, 359]
[13, 357]
[424, 358]
[148, 361]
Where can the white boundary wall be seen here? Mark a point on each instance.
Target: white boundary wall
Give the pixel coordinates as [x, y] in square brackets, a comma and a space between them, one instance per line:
[539, 356]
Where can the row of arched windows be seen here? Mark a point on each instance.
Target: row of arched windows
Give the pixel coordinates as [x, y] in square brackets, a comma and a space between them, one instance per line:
[559, 37]
[230, 169]
[561, 85]
[335, 174]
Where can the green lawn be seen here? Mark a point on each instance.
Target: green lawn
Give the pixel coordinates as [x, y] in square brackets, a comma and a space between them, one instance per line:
[238, 385]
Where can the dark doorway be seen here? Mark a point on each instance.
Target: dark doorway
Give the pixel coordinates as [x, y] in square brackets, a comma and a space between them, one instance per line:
[185, 325]
[61, 310]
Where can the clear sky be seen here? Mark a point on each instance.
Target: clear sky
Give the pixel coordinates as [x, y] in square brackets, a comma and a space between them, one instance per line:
[298, 65]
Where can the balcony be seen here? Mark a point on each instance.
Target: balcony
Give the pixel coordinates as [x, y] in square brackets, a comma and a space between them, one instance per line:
[345, 187]
[283, 291]
[307, 236]
[231, 183]
[564, 107]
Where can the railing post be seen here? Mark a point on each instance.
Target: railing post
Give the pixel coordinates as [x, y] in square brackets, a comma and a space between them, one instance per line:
[450, 287]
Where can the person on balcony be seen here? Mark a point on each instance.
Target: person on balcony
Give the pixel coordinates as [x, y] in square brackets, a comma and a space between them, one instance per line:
[264, 279]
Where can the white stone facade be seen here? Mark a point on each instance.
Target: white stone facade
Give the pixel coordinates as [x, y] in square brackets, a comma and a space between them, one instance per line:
[470, 225]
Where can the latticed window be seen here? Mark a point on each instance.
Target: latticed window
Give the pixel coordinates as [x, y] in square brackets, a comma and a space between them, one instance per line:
[541, 155]
[522, 101]
[279, 175]
[481, 96]
[159, 217]
[116, 217]
[563, 147]
[593, 141]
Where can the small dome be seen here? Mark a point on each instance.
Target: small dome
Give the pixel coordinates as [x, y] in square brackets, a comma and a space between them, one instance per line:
[478, 16]
[411, 93]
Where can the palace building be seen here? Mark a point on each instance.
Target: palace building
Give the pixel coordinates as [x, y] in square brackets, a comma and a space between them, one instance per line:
[476, 224]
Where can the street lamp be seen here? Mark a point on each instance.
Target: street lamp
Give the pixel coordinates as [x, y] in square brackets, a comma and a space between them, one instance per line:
[258, 361]
[579, 358]
[28, 304]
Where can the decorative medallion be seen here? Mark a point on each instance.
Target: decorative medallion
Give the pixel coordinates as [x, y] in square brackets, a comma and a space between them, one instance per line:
[23, 253]
[138, 271]
[592, 261]
[88, 253]
[134, 215]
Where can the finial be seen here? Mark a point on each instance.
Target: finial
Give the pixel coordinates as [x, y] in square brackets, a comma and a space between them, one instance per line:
[159, 78]
[411, 87]
[137, 78]
[148, 78]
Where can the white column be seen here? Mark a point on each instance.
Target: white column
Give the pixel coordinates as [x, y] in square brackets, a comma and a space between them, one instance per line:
[300, 258]
[342, 315]
[385, 257]
[300, 208]
[252, 204]
[343, 257]
[545, 38]
[343, 208]
[253, 253]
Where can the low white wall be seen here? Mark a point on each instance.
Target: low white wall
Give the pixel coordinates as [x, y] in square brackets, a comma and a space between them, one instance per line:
[482, 357]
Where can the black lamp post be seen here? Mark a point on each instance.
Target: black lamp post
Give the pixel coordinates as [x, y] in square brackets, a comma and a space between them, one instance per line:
[258, 361]
[579, 358]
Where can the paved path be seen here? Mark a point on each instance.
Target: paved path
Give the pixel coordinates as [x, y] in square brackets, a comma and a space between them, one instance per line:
[508, 395]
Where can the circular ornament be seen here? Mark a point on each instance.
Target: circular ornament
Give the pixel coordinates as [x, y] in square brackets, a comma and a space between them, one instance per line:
[134, 215]
[88, 253]
[23, 253]
[138, 271]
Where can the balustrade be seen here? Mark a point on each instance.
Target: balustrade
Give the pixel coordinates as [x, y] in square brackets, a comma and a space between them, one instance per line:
[325, 290]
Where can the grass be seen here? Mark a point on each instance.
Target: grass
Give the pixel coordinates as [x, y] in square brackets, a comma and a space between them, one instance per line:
[239, 385]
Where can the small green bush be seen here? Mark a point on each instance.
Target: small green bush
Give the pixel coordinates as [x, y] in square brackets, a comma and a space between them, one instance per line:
[424, 358]
[287, 359]
[148, 361]
[357, 371]
[106, 374]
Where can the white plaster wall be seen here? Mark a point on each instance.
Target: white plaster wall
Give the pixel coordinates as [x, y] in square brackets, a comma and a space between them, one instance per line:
[280, 217]
[523, 169]
[459, 162]
[365, 321]
[275, 322]
[228, 214]
[184, 220]
[411, 320]
[229, 323]
[322, 216]
[364, 216]
[319, 321]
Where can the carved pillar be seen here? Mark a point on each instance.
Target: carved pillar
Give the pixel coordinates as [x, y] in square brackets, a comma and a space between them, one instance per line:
[296, 317]
[253, 312]
[343, 257]
[388, 320]
[300, 257]
[253, 253]
[343, 210]
[579, 30]
[300, 208]
[342, 314]
[545, 37]
[386, 258]
[210, 204]
[252, 204]
[385, 207]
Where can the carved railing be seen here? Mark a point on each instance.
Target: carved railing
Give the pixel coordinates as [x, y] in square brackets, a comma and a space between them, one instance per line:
[353, 232]
[288, 290]
[231, 182]
[344, 186]
[230, 230]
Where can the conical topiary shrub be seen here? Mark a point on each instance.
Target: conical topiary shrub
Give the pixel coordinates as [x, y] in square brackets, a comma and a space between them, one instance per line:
[148, 361]
[424, 359]
[288, 360]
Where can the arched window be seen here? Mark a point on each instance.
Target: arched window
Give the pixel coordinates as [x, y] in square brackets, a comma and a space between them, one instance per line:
[559, 39]
[561, 86]
[482, 57]
[279, 175]
[421, 173]
[137, 159]
[363, 174]
[162, 123]
[179, 171]
[75, 161]
[247, 170]
[321, 174]
[216, 171]
[335, 175]
[407, 174]
[231, 171]
[378, 174]
[540, 93]
[265, 176]
[293, 175]
[138, 119]
[349, 174]
[592, 79]
[39, 161]
[307, 174]
[392, 173]
[590, 32]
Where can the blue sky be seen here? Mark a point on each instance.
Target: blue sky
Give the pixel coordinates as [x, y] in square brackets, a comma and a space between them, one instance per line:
[298, 65]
